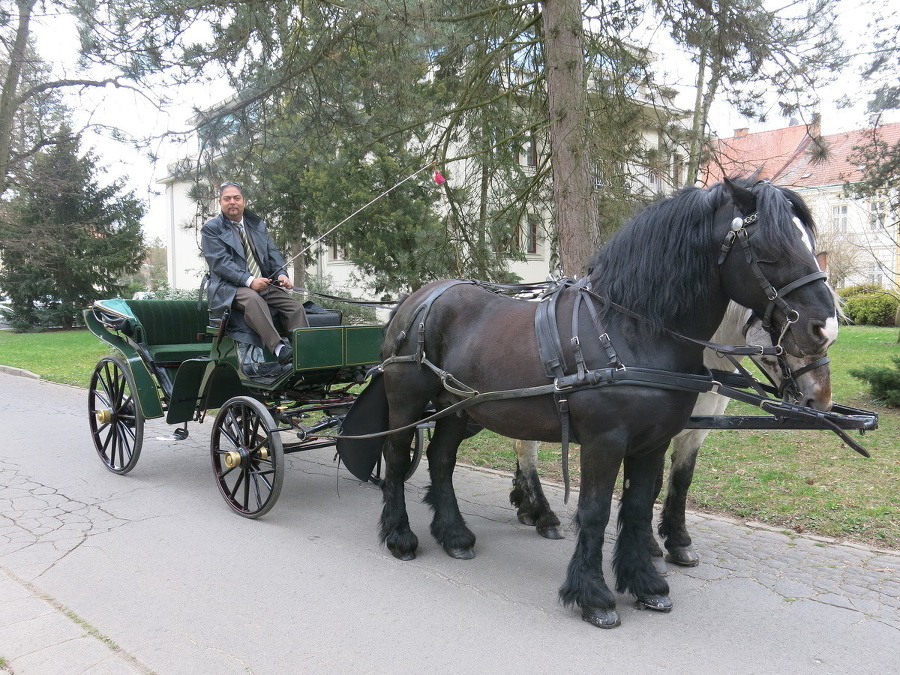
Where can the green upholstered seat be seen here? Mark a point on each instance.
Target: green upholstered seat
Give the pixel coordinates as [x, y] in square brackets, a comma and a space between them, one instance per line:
[171, 330]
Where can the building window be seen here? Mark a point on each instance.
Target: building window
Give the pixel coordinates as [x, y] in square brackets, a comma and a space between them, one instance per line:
[877, 214]
[337, 252]
[839, 219]
[527, 234]
[873, 274]
[528, 153]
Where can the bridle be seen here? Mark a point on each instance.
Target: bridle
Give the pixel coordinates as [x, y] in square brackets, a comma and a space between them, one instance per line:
[789, 387]
[739, 233]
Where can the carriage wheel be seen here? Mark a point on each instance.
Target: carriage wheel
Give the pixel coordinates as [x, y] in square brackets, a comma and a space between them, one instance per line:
[114, 415]
[247, 456]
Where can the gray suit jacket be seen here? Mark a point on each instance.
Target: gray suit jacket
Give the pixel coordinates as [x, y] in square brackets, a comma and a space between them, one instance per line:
[228, 267]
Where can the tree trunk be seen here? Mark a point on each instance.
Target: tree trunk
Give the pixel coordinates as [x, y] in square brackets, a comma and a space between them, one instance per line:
[8, 102]
[576, 217]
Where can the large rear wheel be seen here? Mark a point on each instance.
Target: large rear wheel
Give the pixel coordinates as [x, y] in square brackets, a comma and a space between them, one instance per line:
[114, 416]
[247, 456]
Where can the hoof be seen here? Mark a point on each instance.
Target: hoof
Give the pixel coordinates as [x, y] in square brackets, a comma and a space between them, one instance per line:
[599, 618]
[550, 532]
[684, 556]
[526, 519]
[659, 564]
[409, 555]
[658, 603]
[461, 553]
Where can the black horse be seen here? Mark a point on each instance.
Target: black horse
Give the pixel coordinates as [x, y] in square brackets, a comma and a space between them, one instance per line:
[801, 380]
[664, 280]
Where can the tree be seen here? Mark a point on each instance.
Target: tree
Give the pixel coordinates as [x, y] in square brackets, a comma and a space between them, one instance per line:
[30, 96]
[463, 85]
[747, 51]
[65, 240]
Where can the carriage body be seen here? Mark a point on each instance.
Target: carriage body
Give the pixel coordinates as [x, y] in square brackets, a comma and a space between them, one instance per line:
[177, 363]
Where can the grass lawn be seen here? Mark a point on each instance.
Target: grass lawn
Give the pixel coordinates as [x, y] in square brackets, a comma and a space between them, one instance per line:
[60, 356]
[805, 481]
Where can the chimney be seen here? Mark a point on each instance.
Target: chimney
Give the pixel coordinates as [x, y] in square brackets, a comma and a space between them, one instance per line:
[740, 133]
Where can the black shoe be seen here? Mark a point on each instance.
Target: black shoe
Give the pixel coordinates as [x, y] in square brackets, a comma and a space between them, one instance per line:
[285, 354]
[266, 371]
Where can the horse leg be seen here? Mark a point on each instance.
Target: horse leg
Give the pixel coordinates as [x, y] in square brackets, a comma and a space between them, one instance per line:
[656, 553]
[448, 526]
[632, 564]
[585, 585]
[672, 524]
[394, 528]
[528, 495]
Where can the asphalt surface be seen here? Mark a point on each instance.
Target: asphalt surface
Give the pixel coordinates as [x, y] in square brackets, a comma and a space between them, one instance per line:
[152, 573]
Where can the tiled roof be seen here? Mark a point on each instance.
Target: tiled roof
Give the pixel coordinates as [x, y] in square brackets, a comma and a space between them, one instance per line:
[836, 168]
[789, 157]
[767, 152]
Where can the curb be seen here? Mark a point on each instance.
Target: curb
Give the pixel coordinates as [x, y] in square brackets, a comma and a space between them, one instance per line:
[20, 372]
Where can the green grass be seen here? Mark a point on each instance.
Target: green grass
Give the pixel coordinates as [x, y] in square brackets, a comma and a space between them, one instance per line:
[804, 481]
[60, 356]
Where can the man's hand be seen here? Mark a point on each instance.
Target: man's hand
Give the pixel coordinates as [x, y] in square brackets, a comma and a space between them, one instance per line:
[259, 283]
[284, 282]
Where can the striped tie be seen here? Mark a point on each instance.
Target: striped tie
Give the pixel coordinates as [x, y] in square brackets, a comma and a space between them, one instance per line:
[249, 253]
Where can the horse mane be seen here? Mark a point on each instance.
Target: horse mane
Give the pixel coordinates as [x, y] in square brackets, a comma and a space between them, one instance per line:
[661, 263]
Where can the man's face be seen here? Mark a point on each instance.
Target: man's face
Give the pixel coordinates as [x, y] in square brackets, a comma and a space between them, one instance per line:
[232, 203]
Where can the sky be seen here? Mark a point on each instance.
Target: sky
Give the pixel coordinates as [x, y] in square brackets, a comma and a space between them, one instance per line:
[134, 113]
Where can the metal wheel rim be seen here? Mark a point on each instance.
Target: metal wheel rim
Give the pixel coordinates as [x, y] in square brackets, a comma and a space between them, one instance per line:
[244, 426]
[114, 416]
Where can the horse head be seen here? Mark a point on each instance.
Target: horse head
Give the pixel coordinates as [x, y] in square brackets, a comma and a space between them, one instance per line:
[804, 380]
[767, 263]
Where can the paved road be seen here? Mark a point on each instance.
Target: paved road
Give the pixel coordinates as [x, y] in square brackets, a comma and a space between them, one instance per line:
[151, 573]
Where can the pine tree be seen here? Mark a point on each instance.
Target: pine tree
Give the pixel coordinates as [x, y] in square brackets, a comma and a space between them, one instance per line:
[64, 239]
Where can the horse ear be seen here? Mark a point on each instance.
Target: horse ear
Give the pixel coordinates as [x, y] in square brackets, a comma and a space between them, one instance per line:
[743, 199]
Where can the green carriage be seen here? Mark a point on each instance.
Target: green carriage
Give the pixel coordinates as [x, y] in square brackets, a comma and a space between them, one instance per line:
[177, 363]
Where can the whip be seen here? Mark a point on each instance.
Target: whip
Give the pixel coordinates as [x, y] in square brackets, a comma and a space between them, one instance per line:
[362, 208]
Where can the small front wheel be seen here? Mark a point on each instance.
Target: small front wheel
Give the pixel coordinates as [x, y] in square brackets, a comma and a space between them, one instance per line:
[247, 456]
[114, 416]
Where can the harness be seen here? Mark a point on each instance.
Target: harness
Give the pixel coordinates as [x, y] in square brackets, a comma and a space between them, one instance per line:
[552, 354]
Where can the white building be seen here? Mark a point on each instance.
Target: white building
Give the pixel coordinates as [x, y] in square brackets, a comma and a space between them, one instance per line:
[859, 235]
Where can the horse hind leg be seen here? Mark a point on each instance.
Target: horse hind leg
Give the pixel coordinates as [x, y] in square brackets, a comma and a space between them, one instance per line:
[672, 524]
[447, 526]
[634, 569]
[528, 495]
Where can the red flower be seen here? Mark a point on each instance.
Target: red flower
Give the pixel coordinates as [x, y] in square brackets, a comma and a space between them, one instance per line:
[438, 178]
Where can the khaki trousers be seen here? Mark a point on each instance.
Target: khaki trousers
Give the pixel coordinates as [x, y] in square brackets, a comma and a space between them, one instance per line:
[255, 306]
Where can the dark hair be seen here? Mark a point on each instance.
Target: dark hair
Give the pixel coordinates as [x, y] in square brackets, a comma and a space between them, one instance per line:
[230, 183]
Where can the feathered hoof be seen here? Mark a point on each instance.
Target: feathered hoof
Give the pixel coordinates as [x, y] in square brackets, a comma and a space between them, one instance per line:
[659, 564]
[527, 519]
[550, 532]
[461, 553]
[683, 555]
[658, 603]
[601, 618]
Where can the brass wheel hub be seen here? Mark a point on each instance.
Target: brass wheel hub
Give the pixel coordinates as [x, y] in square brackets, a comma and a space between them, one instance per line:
[104, 416]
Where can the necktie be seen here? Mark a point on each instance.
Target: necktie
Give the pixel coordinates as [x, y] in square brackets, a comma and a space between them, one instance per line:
[249, 253]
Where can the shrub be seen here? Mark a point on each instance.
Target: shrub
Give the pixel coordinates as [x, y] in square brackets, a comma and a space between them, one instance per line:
[874, 310]
[884, 383]
[860, 289]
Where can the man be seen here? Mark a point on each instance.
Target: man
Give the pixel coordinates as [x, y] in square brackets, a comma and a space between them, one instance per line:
[243, 261]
